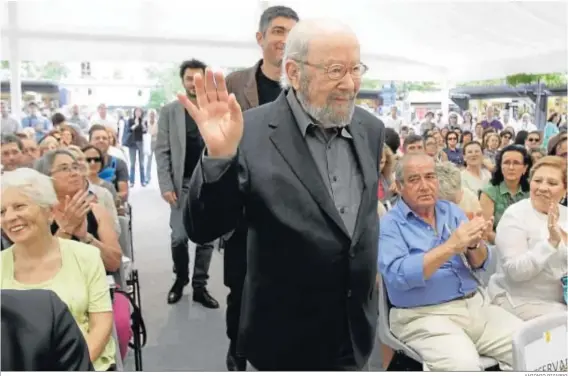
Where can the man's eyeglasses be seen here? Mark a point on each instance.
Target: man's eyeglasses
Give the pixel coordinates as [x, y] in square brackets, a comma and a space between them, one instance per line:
[336, 72]
[533, 139]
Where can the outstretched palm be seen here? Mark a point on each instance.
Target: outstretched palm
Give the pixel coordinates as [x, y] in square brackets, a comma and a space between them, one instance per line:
[217, 114]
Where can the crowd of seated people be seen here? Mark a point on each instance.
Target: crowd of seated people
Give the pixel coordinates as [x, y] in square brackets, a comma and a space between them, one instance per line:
[85, 197]
[463, 202]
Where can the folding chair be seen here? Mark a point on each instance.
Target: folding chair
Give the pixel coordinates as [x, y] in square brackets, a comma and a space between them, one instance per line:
[535, 330]
[132, 284]
[387, 337]
[117, 356]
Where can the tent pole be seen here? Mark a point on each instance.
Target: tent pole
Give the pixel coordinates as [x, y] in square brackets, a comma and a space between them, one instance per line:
[15, 69]
[446, 86]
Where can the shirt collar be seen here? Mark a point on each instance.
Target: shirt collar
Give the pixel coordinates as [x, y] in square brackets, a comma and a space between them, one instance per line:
[405, 210]
[304, 120]
[503, 190]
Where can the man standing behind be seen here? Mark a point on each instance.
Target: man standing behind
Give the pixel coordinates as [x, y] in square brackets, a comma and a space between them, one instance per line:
[9, 124]
[178, 149]
[392, 120]
[491, 120]
[253, 87]
[35, 120]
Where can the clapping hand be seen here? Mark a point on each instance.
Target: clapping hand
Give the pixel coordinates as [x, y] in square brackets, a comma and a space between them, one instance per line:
[74, 212]
[555, 233]
[469, 234]
[218, 115]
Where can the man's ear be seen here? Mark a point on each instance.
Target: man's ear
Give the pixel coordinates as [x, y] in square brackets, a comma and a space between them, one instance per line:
[259, 38]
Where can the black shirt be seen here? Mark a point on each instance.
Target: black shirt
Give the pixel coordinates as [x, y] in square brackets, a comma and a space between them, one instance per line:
[193, 147]
[268, 90]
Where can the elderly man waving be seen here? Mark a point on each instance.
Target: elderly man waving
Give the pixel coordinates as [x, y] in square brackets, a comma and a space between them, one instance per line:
[303, 172]
[428, 250]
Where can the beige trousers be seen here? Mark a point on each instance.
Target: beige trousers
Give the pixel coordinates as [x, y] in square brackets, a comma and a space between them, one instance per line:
[528, 310]
[451, 336]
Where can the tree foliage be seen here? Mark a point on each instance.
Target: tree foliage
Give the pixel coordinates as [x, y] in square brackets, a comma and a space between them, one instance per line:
[168, 84]
[550, 79]
[51, 70]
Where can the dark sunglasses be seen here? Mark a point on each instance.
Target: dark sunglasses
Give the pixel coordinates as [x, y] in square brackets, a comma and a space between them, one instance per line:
[534, 139]
[452, 139]
[93, 160]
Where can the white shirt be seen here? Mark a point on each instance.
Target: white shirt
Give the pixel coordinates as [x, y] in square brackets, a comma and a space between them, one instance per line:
[108, 122]
[113, 151]
[529, 127]
[474, 183]
[395, 124]
[529, 268]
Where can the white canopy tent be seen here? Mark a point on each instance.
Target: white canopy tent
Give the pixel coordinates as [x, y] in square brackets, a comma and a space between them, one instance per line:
[400, 40]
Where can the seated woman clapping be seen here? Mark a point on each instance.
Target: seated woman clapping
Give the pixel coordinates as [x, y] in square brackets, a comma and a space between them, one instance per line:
[76, 216]
[531, 244]
[39, 260]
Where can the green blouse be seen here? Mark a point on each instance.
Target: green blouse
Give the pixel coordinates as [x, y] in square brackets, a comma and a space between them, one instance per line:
[502, 198]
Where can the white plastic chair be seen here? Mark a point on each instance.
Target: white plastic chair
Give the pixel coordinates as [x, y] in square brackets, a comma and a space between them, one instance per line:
[387, 337]
[535, 330]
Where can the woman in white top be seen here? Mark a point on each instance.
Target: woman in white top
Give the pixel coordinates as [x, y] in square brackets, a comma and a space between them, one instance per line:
[475, 176]
[531, 245]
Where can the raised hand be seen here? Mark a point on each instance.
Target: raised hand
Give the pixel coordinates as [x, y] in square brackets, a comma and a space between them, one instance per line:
[218, 115]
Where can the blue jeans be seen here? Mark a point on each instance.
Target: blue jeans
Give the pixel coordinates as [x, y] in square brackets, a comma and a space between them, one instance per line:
[138, 147]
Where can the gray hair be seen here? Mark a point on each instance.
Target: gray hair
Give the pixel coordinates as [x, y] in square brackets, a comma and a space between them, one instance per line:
[299, 38]
[274, 12]
[38, 187]
[404, 161]
[449, 178]
[44, 165]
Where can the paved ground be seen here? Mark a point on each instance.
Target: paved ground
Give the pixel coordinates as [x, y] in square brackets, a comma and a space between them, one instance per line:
[184, 336]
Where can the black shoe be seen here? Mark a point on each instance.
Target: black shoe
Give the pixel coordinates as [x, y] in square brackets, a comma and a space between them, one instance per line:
[235, 363]
[201, 295]
[176, 292]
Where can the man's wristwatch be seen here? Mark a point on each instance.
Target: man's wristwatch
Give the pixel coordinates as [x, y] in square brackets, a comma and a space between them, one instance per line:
[470, 248]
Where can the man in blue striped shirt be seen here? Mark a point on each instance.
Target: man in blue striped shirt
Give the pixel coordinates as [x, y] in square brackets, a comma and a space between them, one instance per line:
[428, 255]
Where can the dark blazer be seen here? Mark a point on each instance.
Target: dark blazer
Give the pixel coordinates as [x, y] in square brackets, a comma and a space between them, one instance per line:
[243, 84]
[306, 276]
[40, 334]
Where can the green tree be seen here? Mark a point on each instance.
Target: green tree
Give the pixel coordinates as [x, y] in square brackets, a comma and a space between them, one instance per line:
[168, 84]
[52, 70]
[549, 79]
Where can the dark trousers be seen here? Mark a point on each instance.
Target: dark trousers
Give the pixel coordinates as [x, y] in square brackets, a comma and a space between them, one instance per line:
[235, 269]
[180, 250]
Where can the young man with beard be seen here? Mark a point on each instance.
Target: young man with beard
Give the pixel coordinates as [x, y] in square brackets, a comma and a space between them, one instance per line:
[301, 173]
[178, 149]
[252, 87]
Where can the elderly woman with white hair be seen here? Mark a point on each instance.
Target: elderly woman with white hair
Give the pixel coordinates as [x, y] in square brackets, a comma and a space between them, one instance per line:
[40, 260]
[76, 215]
[449, 177]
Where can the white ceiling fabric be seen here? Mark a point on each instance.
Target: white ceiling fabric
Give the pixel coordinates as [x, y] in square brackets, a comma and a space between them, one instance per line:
[418, 40]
